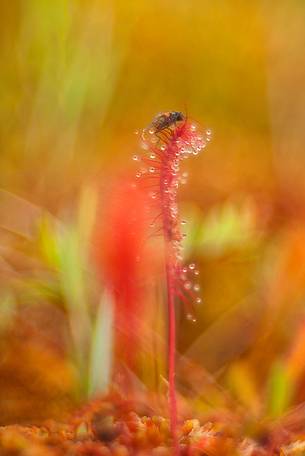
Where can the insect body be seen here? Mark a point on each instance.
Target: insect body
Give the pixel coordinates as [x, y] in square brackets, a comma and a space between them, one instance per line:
[166, 119]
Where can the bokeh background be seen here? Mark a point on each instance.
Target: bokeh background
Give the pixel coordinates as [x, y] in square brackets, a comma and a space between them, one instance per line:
[77, 79]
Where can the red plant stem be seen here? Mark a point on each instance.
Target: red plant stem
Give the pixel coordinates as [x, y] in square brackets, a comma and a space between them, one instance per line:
[171, 292]
[172, 354]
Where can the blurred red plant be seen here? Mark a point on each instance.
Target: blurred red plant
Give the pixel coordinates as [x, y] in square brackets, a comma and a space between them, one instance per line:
[119, 241]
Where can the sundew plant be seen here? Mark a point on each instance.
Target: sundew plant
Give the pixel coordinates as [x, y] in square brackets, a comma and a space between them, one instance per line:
[168, 140]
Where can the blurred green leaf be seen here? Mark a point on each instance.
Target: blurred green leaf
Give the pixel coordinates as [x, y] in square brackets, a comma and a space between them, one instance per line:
[72, 267]
[225, 227]
[48, 243]
[279, 390]
[101, 348]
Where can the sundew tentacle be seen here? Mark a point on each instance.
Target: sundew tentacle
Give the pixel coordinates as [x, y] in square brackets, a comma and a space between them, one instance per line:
[164, 149]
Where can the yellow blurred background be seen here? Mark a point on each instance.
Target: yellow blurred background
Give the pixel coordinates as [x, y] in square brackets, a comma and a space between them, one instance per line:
[77, 79]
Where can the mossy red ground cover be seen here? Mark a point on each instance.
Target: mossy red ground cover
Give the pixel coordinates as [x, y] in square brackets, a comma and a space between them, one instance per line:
[118, 427]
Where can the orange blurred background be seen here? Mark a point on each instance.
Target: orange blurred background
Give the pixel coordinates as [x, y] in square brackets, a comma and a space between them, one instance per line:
[77, 79]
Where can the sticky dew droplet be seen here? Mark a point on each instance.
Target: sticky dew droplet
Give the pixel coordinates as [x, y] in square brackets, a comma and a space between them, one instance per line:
[191, 318]
[152, 195]
[188, 285]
